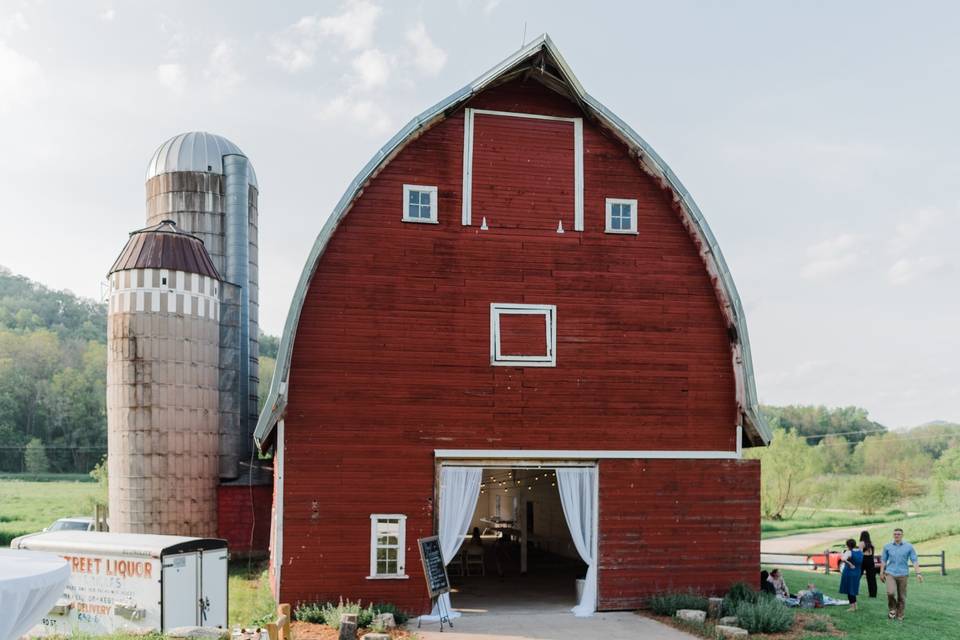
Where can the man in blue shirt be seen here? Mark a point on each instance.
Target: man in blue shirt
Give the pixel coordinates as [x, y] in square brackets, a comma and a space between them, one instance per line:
[894, 563]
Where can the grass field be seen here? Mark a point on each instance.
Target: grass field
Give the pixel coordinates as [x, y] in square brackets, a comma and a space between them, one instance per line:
[807, 520]
[251, 602]
[930, 613]
[27, 507]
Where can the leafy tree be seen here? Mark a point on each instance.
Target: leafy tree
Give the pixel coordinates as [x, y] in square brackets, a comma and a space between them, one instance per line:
[785, 467]
[852, 423]
[949, 464]
[871, 494]
[834, 456]
[269, 345]
[267, 366]
[35, 457]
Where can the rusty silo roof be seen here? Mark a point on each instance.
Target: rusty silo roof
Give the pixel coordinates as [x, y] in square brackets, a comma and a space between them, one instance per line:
[163, 246]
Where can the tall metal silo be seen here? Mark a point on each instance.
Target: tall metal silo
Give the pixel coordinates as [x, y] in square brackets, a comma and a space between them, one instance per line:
[207, 186]
[163, 385]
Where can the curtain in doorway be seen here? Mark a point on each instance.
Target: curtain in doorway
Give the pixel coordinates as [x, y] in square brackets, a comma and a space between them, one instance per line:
[578, 495]
[459, 490]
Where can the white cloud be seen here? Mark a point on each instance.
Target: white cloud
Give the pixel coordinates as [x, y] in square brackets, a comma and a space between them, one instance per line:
[221, 67]
[21, 79]
[355, 26]
[108, 15]
[296, 48]
[916, 226]
[12, 24]
[372, 68]
[428, 57]
[368, 113]
[832, 256]
[490, 5]
[906, 270]
[172, 77]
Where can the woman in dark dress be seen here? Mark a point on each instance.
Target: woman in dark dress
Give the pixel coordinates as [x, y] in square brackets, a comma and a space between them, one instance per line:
[850, 578]
[869, 563]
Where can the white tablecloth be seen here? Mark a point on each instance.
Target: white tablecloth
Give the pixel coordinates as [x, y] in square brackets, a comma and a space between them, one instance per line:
[31, 582]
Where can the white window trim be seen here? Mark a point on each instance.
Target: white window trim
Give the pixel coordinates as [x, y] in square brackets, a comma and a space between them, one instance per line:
[548, 311]
[468, 120]
[407, 188]
[401, 547]
[633, 216]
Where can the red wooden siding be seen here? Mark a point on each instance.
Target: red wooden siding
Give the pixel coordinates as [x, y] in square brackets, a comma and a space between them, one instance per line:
[540, 152]
[242, 511]
[523, 334]
[676, 525]
[391, 358]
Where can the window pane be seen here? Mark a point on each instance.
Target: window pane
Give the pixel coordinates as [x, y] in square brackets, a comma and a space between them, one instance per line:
[615, 210]
[381, 554]
[391, 567]
[413, 198]
[391, 554]
[386, 540]
[381, 567]
[425, 198]
[615, 223]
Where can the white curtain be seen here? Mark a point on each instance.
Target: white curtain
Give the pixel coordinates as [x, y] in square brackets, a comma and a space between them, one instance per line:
[578, 497]
[459, 490]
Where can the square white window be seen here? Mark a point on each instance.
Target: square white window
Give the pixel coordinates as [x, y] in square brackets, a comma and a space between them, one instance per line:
[621, 215]
[388, 546]
[419, 203]
[523, 335]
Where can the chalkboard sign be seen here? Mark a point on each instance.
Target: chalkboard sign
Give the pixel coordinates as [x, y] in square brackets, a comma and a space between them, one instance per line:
[434, 571]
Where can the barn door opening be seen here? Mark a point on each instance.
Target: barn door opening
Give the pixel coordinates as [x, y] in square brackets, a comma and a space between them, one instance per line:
[519, 553]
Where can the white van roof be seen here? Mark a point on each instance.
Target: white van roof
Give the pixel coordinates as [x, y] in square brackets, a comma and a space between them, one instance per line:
[145, 545]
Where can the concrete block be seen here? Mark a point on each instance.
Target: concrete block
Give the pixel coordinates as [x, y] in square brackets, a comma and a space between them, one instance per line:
[715, 607]
[203, 633]
[724, 631]
[375, 636]
[730, 621]
[385, 621]
[692, 615]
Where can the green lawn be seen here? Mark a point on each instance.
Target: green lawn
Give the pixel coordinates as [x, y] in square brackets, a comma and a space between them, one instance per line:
[27, 507]
[807, 520]
[930, 614]
[251, 602]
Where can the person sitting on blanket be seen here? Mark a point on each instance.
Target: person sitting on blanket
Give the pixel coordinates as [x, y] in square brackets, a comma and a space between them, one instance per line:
[778, 583]
[765, 586]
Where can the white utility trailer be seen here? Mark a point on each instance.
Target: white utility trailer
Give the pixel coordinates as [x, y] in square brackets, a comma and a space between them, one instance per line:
[134, 582]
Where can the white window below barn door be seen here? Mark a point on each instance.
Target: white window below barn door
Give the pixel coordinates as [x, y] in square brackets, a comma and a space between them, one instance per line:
[388, 546]
[419, 204]
[621, 215]
[523, 335]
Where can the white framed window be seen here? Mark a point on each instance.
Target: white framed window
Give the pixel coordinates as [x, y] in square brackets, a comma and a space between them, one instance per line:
[419, 203]
[621, 215]
[504, 349]
[388, 545]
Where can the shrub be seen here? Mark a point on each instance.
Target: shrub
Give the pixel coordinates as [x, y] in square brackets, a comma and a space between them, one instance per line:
[329, 613]
[739, 592]
[766, 615]
[666, 604]
[868, 494]
[816, 624]
[35, 457]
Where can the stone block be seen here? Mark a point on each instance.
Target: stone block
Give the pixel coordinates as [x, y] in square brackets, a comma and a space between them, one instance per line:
[375, 636]
[384, 621]
[724, 631]
[730, 621]
[198, 633]
[715, 607]
[692, 615]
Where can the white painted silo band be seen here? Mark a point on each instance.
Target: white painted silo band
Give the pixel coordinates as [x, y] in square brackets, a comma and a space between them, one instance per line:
[130, 293]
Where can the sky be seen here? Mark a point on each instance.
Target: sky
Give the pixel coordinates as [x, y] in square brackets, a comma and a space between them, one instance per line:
[819, 139]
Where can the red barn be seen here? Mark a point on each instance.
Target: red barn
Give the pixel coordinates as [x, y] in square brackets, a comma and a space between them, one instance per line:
[516, 318]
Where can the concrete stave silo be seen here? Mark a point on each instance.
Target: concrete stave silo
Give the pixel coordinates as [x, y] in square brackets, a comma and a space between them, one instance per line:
[163, 375]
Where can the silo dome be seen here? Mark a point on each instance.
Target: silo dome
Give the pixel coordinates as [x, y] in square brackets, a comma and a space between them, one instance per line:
[195, 151]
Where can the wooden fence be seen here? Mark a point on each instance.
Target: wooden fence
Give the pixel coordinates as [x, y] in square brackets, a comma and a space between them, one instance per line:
[829, 560]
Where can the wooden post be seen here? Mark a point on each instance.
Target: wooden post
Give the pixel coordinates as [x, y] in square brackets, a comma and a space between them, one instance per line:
[943, 562]
[826, 561]
[272, 631]
[283, 621]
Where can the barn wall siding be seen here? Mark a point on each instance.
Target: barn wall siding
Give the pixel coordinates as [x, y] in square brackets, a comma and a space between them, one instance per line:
[676, 525]
[392, 353]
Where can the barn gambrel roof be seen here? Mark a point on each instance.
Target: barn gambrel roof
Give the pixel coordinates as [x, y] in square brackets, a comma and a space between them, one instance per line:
[541, 60]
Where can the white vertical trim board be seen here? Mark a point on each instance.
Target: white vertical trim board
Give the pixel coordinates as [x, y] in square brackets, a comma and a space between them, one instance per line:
[277, 551]
[467, 166]
[467, 191]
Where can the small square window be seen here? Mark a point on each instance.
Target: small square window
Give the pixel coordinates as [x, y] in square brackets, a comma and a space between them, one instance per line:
[523, 335]
[419, 203]
[387, 546]
[621, 216]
